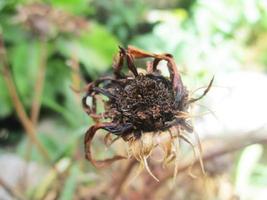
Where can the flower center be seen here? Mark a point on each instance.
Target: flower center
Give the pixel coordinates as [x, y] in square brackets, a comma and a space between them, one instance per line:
[147, 102]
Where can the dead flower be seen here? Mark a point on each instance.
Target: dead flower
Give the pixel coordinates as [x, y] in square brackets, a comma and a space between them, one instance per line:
[145, 110]
[45, 21]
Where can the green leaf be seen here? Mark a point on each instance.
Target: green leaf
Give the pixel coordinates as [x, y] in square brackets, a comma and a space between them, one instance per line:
[5, 102]
[95, 49]
[24, 59]
[73, 6]
[70, 184]
[12, 32]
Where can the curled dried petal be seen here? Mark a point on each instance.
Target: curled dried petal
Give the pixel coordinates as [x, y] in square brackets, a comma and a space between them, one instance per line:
[87, 144]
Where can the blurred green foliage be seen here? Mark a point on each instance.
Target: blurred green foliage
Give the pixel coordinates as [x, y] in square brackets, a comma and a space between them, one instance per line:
[205, 37]
[225, 27]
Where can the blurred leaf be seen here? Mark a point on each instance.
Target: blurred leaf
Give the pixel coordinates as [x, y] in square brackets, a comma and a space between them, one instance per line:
[70, 184]
[73, 6]
[57, 107]
[259, 176]
[249, 158]
[121, 17]
[74, 106]
[50, 143]
[24, 59]
[95, 49]
[45, 184]
[5, 102]
[8, 3]
[2, 4]
[251, 11]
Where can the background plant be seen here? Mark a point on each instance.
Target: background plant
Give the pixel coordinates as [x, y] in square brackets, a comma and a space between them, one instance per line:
[206, 38]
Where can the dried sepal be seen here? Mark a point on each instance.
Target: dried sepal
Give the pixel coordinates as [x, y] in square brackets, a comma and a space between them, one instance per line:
[164, 141]
[190, 169]
[176, 144]
[144, 160]
[200, 151]
[142, 146]
[141, 149]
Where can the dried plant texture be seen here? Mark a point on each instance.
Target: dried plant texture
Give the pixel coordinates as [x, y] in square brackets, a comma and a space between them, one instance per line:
[146, 110]
[45, 21]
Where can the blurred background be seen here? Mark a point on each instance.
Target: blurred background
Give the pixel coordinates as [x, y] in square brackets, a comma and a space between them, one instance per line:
[49, 47]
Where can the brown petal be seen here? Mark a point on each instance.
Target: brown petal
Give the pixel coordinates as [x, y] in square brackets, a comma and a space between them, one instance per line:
[87, 144]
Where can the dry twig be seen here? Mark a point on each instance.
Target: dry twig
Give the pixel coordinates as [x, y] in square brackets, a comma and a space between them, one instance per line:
[26, 122]
[39, 84]
[11, 191]
[123, 178]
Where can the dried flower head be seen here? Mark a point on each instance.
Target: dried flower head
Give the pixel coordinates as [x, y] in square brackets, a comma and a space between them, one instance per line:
[146, 109]
[45, 21]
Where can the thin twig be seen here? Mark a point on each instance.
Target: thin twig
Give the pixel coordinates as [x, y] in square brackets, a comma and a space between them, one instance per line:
[39, 84]
[30, 130]
[75, 76]
[123, 178]
[27, 124]
[37, 94]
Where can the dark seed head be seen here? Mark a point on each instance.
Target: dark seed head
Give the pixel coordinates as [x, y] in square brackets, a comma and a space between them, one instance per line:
[146, 101]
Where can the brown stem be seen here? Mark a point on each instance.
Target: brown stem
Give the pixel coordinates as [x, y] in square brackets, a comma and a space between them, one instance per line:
[39, 84]
[11, 191]
[27, 124]
[123, 178]
[75, 76]
[37, 93]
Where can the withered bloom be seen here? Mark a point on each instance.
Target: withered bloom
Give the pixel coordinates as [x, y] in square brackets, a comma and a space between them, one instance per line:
[46, 22]
[144, 109]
